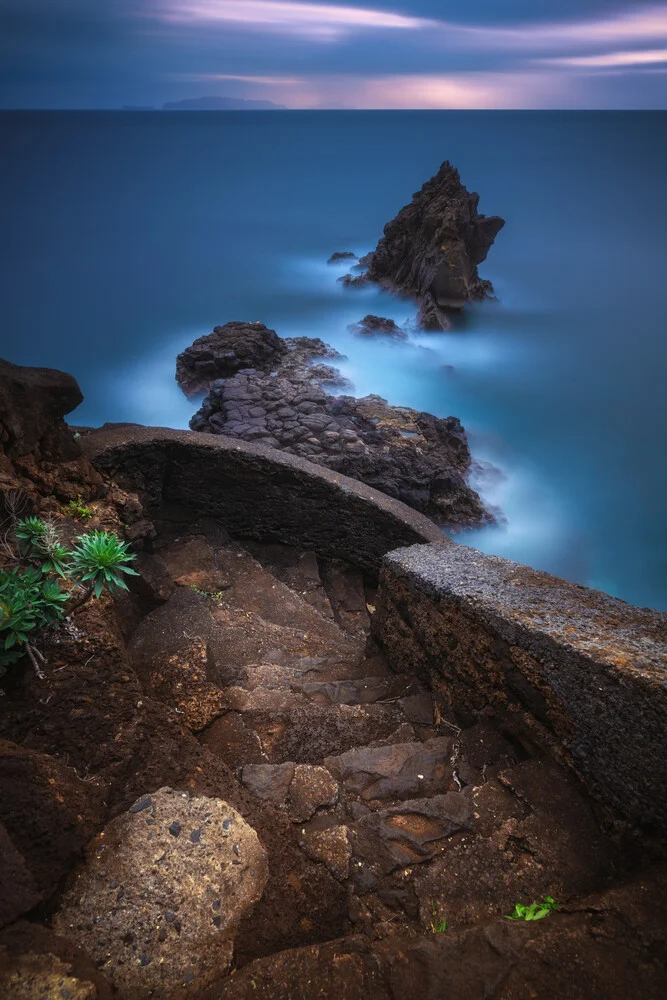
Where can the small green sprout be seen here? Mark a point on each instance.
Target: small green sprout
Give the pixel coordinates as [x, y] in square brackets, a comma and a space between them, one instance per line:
[438, 926]
[536, 911]
[217, 595]
[77, 509]
[98, 559]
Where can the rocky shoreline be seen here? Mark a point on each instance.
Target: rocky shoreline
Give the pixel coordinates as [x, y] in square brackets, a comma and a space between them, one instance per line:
[274, 394]
[315, 748]
[273, 769]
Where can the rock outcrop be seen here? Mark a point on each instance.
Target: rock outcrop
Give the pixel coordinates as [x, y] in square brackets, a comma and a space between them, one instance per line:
[165, 886]
[222, 353]
[33, 402]
[238, 345]
[372, 326]
[341, 255]
[414, 457]
[431, 250]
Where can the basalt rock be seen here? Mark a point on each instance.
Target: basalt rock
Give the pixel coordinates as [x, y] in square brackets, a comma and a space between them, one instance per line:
[238, 345]
[431, 250]
[414, 457]
[228, 349]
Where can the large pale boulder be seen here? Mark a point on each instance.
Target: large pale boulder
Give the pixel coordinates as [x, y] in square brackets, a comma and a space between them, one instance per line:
[158, 901]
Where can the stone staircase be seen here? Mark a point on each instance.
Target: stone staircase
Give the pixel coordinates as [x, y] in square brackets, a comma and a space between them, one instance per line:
[269, 662]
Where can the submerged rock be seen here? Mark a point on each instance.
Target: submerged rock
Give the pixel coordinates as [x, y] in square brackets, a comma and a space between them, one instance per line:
[159, 899]
[341, 255]
[371, 326]
[431, 250]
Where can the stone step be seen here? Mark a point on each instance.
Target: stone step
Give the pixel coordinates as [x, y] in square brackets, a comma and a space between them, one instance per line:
[313, 679]
[275, 726]
[372, 776]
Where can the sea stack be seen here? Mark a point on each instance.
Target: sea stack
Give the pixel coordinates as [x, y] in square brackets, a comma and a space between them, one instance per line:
[432, 248]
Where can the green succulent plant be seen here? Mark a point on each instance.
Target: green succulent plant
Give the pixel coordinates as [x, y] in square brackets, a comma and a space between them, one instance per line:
[99, 559]
[30, 594]
[29, 532]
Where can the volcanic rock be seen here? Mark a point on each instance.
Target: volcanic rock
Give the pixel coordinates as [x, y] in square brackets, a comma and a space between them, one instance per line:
[370, 326]
[414, 457]
[341, 255]
[228, 349]
[431, 250]
[33, 402]
[238, 345]
[157, 909]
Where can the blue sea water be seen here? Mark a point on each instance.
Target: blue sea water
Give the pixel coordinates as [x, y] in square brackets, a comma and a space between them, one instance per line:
[126, 235]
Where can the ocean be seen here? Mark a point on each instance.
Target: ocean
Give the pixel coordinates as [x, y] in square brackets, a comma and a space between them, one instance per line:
[128, 234]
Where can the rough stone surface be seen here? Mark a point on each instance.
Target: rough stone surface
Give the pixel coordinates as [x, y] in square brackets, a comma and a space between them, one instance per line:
[159, 899]
[598, 952]
[259, 493]
[49, 814]
[415, 457]
[409, 832]
[170, 652]
[238, 346]
[270, 782]
[33, 402]
[36, 964]
[222, 353]
[577, 670]
[312, 788]
[332, 847]
[399, 771]
[432, 248]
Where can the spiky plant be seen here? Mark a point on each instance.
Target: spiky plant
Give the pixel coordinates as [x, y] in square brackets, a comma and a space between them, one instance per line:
[98, 560]
[29, 533]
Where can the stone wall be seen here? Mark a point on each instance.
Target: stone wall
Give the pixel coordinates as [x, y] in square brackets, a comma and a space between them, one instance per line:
[259, 492]
[559, 664]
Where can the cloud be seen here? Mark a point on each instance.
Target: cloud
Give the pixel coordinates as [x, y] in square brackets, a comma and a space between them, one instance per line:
[323, 22]
[423, 91]
[282, 81]
[331, 22]
[612, 59]
[635, 25]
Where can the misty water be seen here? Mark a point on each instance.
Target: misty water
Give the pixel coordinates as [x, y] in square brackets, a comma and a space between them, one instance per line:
[127, 235]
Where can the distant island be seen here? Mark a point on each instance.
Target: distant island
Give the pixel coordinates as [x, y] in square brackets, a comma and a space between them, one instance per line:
[221, 104]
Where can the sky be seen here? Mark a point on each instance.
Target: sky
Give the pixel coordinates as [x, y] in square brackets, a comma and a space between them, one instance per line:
[311, 54]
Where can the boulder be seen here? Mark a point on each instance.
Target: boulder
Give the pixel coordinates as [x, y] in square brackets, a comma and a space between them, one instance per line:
[33, 402]
[431, 250]
[158, 901]
[228, 349]
[48, 814]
